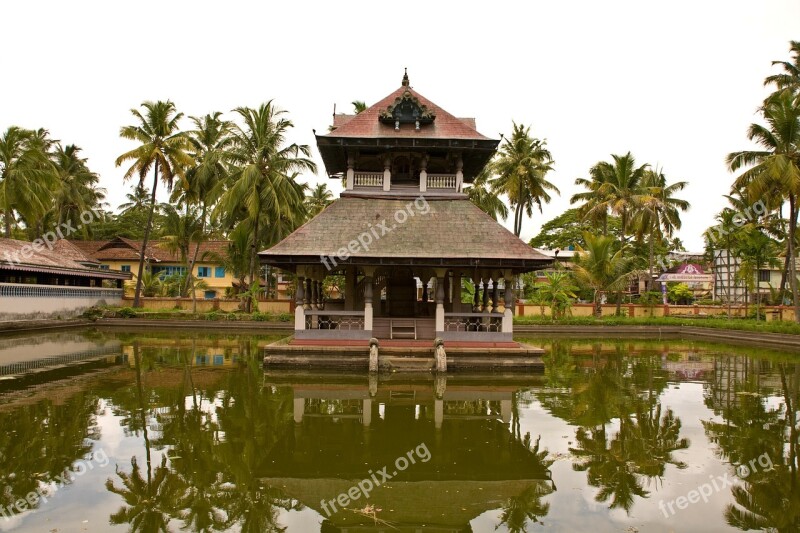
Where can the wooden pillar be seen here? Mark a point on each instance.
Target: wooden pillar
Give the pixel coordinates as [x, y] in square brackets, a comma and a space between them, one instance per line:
[440, 273]
[455, 305]
[366, 412]
[351, 279]
[485, 306]
[508, 298]
[495, 294]
[299, 310]
[423, 174]
[368, 271]
[307, 295]
[299, 409]
[459, 173]
[508, 303]
[447, 297]
[387, 173]
[351, 173]
[505, 411]
[476, 304]
[424, 290]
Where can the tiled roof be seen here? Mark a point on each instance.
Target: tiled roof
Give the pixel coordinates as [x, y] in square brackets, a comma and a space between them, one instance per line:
[451, 229]
[123, 249]
[366, 123]
[63, 258]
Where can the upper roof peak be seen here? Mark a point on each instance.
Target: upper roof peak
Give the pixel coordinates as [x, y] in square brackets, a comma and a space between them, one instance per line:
[404, 103]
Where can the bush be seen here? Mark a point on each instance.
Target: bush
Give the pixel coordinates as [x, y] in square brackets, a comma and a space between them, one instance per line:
[211, 315]
[285, 317]
[126, 312]
[680, 294]
[262, 317]
[93, 313]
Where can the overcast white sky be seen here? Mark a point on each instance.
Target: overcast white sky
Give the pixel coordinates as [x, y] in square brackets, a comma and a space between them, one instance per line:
[676, 83]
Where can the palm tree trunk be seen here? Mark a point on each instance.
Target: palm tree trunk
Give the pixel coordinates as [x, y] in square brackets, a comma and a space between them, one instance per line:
[194, 257]
[651, 259]
[253, 256]
[792, 258]
[138, 293]
[784, 274]
[518, 219]
[140, 400]
[623, 220]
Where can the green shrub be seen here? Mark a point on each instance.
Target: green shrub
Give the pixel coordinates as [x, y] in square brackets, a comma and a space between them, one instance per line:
[126, 312]
[262, 317]
[93, 313]
[680, 294]
[211, 315]
[285, 317]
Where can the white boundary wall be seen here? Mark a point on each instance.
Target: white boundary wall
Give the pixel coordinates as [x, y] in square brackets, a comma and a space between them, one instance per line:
[24, 302]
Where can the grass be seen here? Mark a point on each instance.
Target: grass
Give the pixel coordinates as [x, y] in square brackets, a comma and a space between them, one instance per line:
[740, 324]
[180, 314]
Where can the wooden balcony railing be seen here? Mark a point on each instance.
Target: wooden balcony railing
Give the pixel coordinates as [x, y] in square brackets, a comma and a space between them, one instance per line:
[368, 179]
[441, 181]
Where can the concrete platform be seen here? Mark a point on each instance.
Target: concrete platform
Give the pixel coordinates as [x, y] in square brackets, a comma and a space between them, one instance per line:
[401, 355]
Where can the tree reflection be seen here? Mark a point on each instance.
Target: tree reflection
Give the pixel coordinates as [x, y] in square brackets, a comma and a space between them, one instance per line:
[42, 441]
[528, 506]
[614, 385]
[758, 433]
[149, 503]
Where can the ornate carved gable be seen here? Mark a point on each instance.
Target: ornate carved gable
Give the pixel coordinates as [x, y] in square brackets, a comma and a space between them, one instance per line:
[406, 109]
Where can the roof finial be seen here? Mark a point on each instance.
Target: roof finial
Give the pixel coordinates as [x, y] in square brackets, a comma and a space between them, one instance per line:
[405, 78]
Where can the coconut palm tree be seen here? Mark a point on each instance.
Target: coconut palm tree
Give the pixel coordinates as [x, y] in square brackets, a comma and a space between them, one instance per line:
[592, 205]
[262, 184]
[601, 267]
[621, 191]
[790, 77]
[776, 167]
[163, 148]
[27, 176]
[483, 195]
[320, 198]
[521, 166]
[205, 178]
[659, 215]
[179, 230]
[359, 106]
[557, 291]
[77, 190]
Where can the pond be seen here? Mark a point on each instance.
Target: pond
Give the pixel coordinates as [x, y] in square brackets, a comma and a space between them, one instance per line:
[167, 432]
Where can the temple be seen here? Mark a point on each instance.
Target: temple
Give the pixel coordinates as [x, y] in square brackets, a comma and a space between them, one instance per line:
[403, 236]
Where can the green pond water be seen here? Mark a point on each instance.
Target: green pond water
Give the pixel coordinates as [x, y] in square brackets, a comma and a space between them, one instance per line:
[168, 432]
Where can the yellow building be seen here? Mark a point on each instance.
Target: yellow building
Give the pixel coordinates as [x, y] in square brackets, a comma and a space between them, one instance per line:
[123, 254]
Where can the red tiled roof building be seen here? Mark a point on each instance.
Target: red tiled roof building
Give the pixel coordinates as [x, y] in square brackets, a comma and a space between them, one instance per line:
[403, 222]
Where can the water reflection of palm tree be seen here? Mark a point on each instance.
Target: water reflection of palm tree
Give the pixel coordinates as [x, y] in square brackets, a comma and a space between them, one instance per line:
[253, 420]
[768, 499]
[608, 467]
[528, 505]
[653, 440]
[44, 440]
[149, 503]
[192, 435]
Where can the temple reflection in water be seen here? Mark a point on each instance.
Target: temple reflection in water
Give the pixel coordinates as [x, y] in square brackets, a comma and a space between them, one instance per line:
[476, 464]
